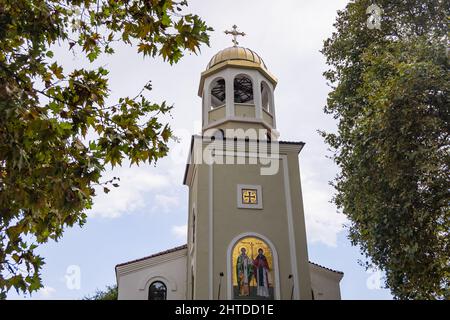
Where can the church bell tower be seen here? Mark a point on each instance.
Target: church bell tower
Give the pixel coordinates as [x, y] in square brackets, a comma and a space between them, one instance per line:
[246, 226]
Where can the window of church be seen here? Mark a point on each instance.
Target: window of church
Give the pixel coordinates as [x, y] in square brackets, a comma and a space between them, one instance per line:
[266, 97]
[193, 227]
[249, 196]
[243, 89]
[157, 291]
[252, 271]
[218, 93]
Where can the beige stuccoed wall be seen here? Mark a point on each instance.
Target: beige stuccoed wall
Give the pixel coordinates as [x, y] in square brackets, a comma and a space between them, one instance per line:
[229, 222]
[190, 265]
[299, 224]
[199, 255]
[239, 125]
[267, 117]
[216, 114]
[134, 279]
[325, 283]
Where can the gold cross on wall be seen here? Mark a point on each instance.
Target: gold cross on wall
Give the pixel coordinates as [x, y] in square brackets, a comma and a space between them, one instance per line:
[249, 196]
[235, 33]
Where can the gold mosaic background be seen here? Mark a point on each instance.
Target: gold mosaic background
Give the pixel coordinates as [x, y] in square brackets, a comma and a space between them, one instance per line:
[250, 243]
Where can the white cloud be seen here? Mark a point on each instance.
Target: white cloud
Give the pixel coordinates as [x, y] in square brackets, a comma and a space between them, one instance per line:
[134, 186]
[46, 292]
[297, 37]
[165, 203]
[323, 222]
[180, 231]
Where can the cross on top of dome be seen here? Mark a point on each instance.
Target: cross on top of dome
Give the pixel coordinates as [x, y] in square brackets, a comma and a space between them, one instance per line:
[234, 33]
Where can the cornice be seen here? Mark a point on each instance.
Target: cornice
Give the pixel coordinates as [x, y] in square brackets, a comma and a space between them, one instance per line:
[137, 265]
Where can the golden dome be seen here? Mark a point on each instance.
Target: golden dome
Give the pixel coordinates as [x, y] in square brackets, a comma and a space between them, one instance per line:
[234, 54]
[237, 57]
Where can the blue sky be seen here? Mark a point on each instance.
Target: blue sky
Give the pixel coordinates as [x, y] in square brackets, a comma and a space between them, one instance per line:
[148, 212]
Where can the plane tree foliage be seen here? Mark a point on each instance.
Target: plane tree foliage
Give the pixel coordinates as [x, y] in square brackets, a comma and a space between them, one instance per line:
[58, 128]
[390, 98]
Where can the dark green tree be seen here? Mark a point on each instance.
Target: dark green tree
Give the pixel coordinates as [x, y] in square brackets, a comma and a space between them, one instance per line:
[390, 96]
[110, 293]
[48, 168]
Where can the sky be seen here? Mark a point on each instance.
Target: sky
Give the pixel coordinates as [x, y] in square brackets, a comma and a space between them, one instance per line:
[148, 212]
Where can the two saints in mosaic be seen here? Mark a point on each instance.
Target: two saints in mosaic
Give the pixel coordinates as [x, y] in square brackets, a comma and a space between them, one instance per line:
[252, 259]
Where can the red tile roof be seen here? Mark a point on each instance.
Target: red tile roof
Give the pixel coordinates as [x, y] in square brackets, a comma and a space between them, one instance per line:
[318, 265]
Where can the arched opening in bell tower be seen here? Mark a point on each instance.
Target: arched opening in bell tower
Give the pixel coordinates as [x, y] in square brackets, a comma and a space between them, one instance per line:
[243, 89]
[266, 97]
[217, 93]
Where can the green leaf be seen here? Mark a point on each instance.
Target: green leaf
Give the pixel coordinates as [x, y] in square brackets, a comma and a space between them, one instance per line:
[48, 176]
[392, 140]
[65, 125]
